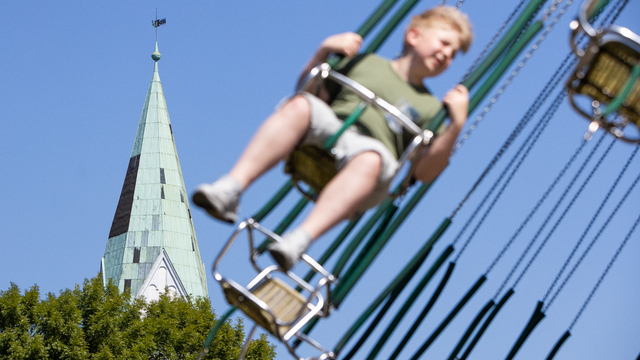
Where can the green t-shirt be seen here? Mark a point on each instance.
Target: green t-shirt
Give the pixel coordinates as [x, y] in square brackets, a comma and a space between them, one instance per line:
[377, 75]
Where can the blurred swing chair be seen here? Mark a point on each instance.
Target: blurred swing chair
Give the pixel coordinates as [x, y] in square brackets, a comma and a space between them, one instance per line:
[280, 301]
[607, 74]
[271, 300]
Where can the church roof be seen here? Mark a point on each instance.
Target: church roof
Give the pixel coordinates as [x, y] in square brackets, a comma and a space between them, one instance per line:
[153, 217]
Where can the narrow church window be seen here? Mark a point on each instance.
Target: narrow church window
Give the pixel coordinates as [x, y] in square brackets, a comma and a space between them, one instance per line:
[181, 196]
[162, 180]
[127, 285]
[162, 192]
[136, 255]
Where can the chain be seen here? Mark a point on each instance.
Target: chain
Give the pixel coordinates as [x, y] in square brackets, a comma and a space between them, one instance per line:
[604, 273]
[595, 216]
[490, 44]
[516, 71]
[590, 245]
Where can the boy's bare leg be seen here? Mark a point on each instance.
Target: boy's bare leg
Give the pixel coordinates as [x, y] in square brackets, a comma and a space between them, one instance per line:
[339, 200]
[342, 196]
[276, 137]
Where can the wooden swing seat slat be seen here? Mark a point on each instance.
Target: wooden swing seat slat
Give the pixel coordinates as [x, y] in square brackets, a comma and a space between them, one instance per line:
[272, 304]
[607, 75]
[311, 165]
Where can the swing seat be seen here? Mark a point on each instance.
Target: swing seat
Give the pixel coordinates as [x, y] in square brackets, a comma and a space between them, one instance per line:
[603, 76]
[279, 301]
[312, 166]
[315, 166]
[606, 76]
[272, 304]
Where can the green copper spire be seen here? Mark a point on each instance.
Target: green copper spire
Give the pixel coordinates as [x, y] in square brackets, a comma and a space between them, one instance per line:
[152, 242]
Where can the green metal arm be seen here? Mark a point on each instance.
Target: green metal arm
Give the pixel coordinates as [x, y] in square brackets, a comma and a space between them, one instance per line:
[536, 317]
[486, 323]
[423, 314]
[467, 334]
[408, 303]
[560, 342]
[449, 317]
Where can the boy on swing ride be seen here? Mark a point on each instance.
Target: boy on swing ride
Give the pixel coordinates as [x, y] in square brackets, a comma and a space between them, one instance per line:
[366, 154]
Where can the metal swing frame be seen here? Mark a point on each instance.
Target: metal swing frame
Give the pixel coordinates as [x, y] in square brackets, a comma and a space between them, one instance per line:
[274, 299]
[607, 73]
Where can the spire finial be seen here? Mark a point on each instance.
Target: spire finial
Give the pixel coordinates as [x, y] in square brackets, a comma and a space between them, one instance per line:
[156, 23]
[156, 54]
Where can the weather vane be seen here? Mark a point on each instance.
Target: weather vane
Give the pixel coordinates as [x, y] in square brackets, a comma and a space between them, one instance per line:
[157, 23]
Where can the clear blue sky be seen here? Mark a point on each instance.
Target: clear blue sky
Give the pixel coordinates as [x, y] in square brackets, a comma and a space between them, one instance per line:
[73, 84]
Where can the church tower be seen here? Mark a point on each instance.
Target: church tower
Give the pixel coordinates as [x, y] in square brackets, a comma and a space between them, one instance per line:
[152, 242]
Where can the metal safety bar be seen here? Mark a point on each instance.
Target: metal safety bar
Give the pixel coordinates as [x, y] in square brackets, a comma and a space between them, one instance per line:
[422, 138]
[324, 71]
[269, 299]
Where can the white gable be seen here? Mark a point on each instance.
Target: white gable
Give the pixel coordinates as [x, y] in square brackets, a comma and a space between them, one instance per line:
[161, 276]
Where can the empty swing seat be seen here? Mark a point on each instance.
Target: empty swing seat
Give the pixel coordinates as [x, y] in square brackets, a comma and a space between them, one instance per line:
[272, 304]
[604, 77]
[280, 302]
[607, 74]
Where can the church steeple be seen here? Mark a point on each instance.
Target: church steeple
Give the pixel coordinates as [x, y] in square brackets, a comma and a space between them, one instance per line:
[152, 242]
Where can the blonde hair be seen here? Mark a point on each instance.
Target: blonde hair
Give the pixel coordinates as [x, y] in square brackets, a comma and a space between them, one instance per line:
[444, 15]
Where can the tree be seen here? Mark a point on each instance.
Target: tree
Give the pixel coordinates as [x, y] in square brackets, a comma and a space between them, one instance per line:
[99, 322]
[19, 338]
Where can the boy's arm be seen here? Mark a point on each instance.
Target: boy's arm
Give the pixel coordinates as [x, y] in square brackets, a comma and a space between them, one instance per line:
[435, 158]
[347, 44]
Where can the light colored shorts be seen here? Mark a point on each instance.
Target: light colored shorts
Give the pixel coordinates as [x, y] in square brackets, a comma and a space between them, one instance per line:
[325, 123]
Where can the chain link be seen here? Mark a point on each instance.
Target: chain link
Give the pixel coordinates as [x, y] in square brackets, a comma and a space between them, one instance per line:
[490, 44]
[547, 14]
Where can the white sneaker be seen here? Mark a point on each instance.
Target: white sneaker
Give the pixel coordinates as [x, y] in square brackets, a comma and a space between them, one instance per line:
[287, 252]
[220, 199]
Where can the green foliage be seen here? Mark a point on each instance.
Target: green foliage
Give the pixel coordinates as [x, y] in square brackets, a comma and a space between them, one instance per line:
[19, 338]
[98, 322]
